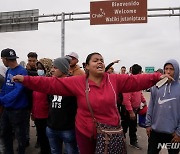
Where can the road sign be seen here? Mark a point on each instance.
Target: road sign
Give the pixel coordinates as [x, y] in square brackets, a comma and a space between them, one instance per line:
[149, 69]
[118, 12]
[19, 20]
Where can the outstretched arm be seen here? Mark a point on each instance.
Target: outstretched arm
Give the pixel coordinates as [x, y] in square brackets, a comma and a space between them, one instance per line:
[131, 83]
[18, 78]
[51, 85]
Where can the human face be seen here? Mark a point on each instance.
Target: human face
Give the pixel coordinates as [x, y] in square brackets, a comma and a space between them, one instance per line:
[40, 70]
[169, 69]
[123, 71]
[32, 62]
[110, 70]
[73, 62]
[56, 72]
[39, 67]
[96, 65]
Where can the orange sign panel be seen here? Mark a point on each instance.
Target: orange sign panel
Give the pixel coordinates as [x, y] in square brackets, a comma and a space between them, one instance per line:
[118, 12]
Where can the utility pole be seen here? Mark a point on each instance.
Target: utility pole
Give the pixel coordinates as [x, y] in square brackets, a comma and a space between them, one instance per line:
[62, 34]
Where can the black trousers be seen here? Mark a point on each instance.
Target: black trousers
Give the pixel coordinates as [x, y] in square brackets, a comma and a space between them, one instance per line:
[14, 120]
[41, 125]
[157, 138]
[128, 123]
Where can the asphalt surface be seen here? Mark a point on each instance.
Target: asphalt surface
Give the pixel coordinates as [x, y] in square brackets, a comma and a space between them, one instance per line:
[141, 133]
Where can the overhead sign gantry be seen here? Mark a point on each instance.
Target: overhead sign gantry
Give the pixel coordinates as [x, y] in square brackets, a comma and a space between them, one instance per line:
[19, 20]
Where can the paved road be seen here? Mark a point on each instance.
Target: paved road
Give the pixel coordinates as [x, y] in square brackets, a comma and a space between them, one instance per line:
[141, 133]
[141, 137]
[31, 149]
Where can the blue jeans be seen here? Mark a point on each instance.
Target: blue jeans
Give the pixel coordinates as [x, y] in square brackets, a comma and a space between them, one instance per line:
[56, 139]
[14, 120]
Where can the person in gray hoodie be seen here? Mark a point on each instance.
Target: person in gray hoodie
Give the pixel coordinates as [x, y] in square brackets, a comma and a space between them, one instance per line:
[163, 115]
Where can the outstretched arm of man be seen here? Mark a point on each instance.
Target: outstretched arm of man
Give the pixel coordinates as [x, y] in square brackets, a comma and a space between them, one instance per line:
[18, 78]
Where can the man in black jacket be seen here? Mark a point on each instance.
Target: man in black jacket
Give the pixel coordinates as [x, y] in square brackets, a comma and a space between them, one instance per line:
[32, 71]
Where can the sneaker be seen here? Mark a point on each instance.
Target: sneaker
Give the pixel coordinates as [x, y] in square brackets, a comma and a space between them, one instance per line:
[135, 145]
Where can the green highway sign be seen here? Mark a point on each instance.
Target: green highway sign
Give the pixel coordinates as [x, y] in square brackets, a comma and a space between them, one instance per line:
[149, 69]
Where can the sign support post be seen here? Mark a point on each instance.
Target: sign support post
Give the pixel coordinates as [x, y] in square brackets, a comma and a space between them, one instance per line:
[62, 34]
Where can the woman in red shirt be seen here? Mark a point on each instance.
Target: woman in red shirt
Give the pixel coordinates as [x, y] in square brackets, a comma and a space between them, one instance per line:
[103, 91]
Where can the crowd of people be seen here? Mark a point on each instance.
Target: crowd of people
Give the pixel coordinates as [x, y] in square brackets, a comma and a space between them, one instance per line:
[53, 94]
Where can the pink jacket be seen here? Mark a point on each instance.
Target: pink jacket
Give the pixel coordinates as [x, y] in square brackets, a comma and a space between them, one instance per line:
[133, 100]
[40, 108]
[102, 98]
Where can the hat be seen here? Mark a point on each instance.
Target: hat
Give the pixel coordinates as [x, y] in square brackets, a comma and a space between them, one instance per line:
[73, 54]
[46, 64]
[8, 53]
[62, 64]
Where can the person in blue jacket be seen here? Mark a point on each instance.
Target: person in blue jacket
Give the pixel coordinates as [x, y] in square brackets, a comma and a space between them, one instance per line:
[13, 97]
[163, 115]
